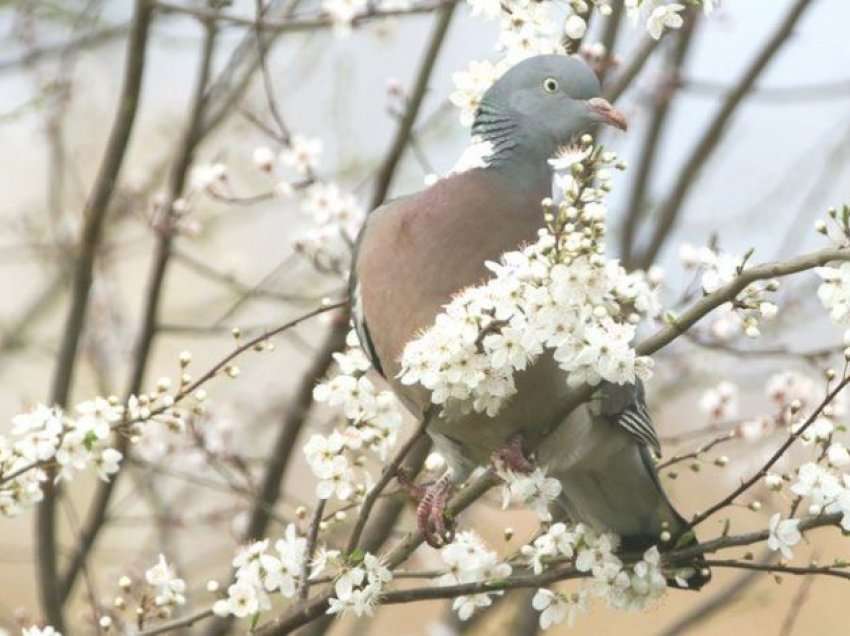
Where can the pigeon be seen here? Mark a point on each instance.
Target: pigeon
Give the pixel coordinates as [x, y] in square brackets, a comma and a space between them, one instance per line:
[414, 253]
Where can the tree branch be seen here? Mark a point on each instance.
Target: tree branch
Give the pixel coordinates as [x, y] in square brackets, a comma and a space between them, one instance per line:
[155, 289]
[405, 127]
[94, 215]
[664, 93]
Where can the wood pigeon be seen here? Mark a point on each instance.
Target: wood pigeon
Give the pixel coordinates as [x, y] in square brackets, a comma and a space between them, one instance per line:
[415, 252]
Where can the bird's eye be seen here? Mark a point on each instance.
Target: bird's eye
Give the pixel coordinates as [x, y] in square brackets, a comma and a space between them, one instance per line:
[550, 85]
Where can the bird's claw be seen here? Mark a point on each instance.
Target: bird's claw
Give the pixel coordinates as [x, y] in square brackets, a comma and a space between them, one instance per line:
[436, 528]
[512, 457]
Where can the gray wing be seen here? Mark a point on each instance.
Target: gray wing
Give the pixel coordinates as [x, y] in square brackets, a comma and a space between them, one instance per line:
[624, 405]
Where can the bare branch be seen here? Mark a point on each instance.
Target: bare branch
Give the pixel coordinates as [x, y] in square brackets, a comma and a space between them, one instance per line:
[94, 215]
[710, 139]
[155, 288]
[748, 483]
[664, 94]
[385, 175]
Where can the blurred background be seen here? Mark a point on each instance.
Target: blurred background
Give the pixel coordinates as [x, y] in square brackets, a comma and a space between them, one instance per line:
[770, 170]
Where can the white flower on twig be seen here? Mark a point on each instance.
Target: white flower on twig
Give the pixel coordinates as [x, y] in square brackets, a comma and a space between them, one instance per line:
[784, 535]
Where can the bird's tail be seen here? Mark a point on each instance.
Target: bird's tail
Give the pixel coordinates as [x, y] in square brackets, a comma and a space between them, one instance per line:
[620, 492]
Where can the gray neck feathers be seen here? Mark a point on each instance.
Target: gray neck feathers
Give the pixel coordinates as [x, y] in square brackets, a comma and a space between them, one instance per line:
[499, 128]
[516, 151]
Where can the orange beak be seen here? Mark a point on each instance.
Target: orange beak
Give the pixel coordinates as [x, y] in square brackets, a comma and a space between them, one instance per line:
[606, 113]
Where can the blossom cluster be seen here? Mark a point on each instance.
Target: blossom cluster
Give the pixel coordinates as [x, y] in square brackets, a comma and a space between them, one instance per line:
[469, 560]
[824, 488]
[535, 491]
[260, 572]
[790, 393]
[822, 485]
[560, 293]
[750, 307]
[344, 12]
[74, 441]
[834, 293]
[168, 587]
[630, 587]
[44, 435]
[335, 215]
[720, 402]
[336, 218]
[359, 588]
[373, 419]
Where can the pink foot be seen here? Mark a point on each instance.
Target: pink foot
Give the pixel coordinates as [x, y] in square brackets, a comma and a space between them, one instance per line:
[413, 490]
[512, 457]
[431, 514]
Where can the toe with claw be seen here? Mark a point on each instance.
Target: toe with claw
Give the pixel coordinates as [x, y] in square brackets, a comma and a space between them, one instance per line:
[437, 529]
[432, 498]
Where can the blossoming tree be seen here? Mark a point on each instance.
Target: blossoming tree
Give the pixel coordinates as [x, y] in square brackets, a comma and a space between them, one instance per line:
[344, 544]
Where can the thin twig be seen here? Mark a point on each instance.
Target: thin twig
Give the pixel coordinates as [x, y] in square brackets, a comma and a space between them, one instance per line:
[287, 25]
[793, 437]
[388, 168]
[207, 376]
[312, 537]
[186, 621]
[79, 43]
[664, 93]
[779, 568]
[621, 82]
[676, 459]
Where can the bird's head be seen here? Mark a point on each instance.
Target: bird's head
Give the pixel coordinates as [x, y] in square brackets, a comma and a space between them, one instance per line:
[542, 103]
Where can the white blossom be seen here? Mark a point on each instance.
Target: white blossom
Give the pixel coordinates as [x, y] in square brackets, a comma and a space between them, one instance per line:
[720, 402]
[575, 27]
[784, 535]
[358, 589]
[168, 587]
[465, 606]
[555, 608]
[558, 541]
[302, 153]
[242, 601]
[469, 561]
[664, 16]
[834, 292]
[260, 572]
[534, 490]
[471, 86]
[837, 455]
[487, 8]
[842, 503]
[817, 484]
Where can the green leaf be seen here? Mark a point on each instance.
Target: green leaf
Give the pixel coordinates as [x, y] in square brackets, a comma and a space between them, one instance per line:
[89, 440]
[356, 556]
